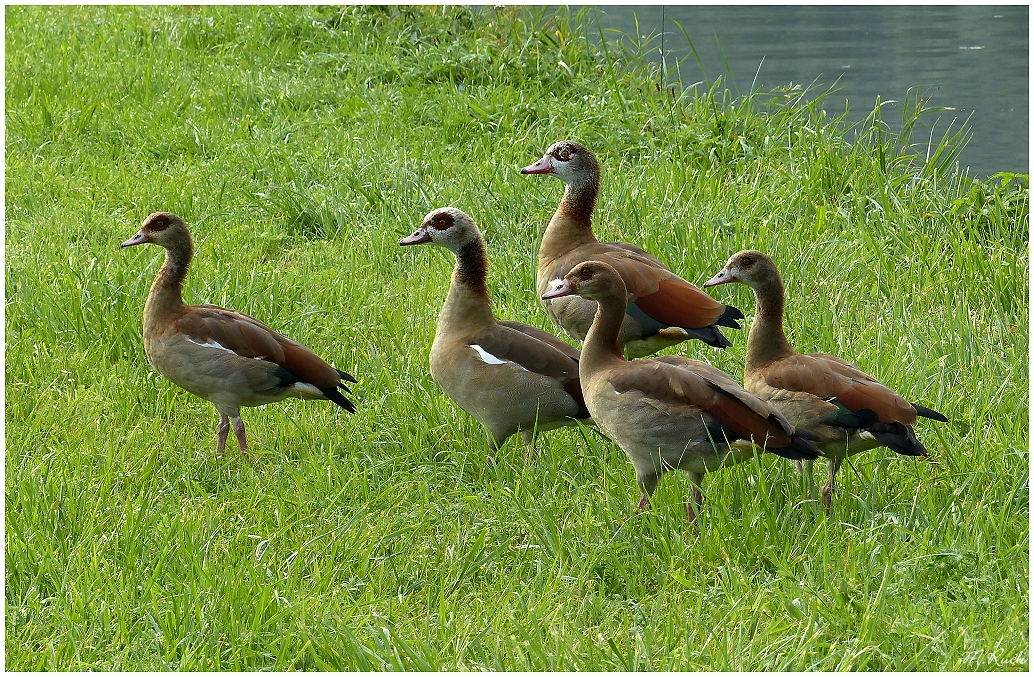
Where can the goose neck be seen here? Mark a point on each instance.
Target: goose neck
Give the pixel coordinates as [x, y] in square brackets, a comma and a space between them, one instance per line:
[571, 225]
[601, 346]
[468, 304]
[166, 296]
[767, 340]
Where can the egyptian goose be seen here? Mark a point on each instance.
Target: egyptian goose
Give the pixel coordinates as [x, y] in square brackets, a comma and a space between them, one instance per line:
[848, 409]
[663, 309]
[509, 376]
[668, 412]
[223, 356]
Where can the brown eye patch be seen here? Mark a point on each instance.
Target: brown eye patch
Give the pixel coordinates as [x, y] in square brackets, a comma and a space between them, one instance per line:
[443, 221]
[747, 262]
[585, 273]
[160, 223]
[562, 153]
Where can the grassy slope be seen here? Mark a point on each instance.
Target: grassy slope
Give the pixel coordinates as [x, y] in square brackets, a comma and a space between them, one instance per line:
[301, 144]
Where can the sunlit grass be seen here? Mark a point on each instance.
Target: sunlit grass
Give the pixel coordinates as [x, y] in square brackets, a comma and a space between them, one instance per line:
[300, 144]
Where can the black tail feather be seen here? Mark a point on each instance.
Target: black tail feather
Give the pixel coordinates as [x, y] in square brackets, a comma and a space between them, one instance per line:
[335, 396]
[852, 419]
[800, 449]
[710, 335]
[899, 437]
[729, 317]
[807, 434]
[345, 376]
[929, 413]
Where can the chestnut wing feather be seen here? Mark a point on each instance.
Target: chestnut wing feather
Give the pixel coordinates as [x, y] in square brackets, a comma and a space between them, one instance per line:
[719, 379]
[829, 377]
[677, 381]
[680, 304]
[625, 258]
[250, 338]
[520, 347]
[658, 291]
[544, 336]
[537, 351]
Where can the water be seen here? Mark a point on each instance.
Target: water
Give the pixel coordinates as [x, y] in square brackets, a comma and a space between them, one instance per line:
[970, 58]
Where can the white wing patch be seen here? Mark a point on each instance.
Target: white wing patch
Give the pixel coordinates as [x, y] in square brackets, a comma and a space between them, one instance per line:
[486, 357]
[211, 344]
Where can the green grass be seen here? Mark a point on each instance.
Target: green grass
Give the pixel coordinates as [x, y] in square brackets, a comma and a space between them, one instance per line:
[301, 144]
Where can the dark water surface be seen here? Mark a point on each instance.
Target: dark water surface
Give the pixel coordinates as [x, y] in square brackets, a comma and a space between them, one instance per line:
[970, 58]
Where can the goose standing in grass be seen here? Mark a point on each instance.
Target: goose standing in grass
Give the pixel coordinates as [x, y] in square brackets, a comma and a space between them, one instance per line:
[663, 309]
[851, 411]
[223, 356]
[668, 412]
[509, 376]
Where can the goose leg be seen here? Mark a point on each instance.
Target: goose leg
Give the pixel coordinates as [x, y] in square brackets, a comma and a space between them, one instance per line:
[223, 430]
[697, 497]
[647, 483]
[238, 430]
[827, 488]
[493, 446]
[644, 503]
[530, 438]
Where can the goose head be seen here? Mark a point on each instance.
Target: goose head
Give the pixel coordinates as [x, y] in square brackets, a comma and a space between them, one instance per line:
[569, 161]
[446, 227]
[592, 280]
[163, 229]
[750, 267]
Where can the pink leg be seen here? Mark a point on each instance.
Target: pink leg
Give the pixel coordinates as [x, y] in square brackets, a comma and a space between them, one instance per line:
[647, 483]
[827, 488]
[223, 430]
[644, 503]
[238, 430]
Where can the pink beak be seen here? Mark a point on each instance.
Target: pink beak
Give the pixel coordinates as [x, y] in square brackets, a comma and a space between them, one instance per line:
[565, 289]
[139, 238]
[721, 278]
[419, 236]
[543, 166]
